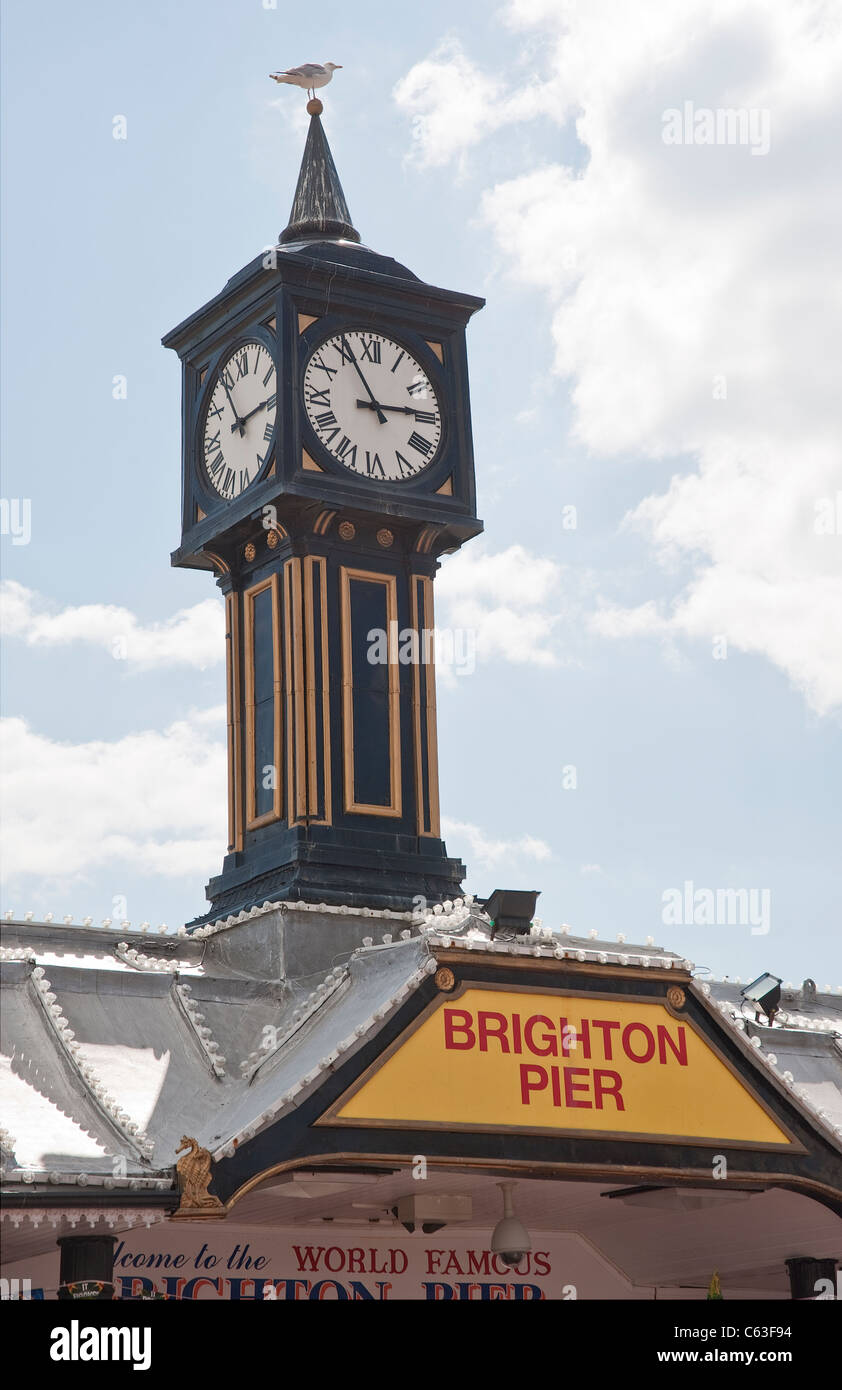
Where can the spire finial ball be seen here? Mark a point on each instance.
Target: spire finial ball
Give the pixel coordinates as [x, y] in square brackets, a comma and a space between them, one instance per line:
[314, 107]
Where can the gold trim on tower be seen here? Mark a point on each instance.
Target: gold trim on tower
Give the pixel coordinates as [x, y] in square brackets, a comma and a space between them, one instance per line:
[253, 821]
[424, 701]
[294, 693]
[318, 685]
[234, 723]
[390, 584]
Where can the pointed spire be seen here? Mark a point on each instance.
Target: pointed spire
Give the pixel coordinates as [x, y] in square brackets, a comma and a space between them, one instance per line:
[319, 210]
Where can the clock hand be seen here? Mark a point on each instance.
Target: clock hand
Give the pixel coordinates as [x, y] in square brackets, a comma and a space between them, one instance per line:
[403, 409]
[237, 421]
[242, 421]
[374, 403]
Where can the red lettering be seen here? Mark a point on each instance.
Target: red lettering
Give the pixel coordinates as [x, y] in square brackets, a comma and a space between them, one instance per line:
[478, 1264]
[356, 1260]
[451, 1028]
[570, 1086]
[309, 1259]
[556, 1080]
[678, 1049]
[398, 1255]
[192, 1286]
[485, 1030]
[582, 1039]
[606, 1036]
[517, 1046]
[453, 1266]
[608, 1083]
[433, 1261]
[650, 1042]
[539, 1084]
[542, 1262]
[550, 1048]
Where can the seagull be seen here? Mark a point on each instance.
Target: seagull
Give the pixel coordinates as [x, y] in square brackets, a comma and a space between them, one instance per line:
[309, 76]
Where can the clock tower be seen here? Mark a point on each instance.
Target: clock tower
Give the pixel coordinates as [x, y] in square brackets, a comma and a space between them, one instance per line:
[327, 465]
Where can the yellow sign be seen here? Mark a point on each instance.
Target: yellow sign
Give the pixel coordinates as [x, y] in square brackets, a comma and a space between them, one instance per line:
[492, 1059]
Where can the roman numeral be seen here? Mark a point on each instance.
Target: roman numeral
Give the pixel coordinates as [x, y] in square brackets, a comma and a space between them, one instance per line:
[325, 419]
[322, 366]
[373, 465]
[243, 365]
[216, 410]
[245, 478]
[417, 441]
[319, 397]
[212, 444]
[371, 350]
[228, 379]
[272, 402]
[347, 451]
[425, 417]
[216, 465]
[407, 469]
[229, 481]
[417, 388]
[268, 376]
[398, 360]
[269, 430]
[344, 351]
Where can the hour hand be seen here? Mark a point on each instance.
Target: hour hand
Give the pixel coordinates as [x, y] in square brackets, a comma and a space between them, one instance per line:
[243, 418]
[400, 409]
[375, 405]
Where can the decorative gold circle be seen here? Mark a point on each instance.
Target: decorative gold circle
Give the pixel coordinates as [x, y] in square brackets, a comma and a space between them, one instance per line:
[272, 539]
[385, 537]
[676, 997]
[347, 530]
[250, 550]
[445, 979]
[314, 107]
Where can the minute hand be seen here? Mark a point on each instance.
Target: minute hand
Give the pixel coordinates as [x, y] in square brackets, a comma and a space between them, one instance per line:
[374, 402]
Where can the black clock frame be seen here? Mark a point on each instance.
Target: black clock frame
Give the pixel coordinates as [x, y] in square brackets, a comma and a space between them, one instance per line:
[331, 326]
[229, 349]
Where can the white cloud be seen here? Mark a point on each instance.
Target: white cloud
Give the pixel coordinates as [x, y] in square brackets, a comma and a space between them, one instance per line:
[486, 853]
[690, 290]
[192, 637]
[510, 601]
[454, 105]
[151, 800]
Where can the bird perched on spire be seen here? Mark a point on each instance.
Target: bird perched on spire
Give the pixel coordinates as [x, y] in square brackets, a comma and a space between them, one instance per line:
[309, 76]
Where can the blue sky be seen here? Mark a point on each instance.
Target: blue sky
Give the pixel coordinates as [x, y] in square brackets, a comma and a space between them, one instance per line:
[516, 154]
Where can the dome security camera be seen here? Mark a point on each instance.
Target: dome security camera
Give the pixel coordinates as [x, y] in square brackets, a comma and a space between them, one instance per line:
[510, 1239]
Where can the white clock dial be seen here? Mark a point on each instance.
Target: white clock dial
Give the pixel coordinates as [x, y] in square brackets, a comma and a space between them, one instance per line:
[372, 406]
[240, 419]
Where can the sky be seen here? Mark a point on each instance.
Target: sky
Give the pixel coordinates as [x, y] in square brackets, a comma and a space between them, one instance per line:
[653, 714]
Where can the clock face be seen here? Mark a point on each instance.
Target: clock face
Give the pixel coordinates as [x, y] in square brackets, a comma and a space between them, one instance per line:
[240, 419]
[372, 406]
